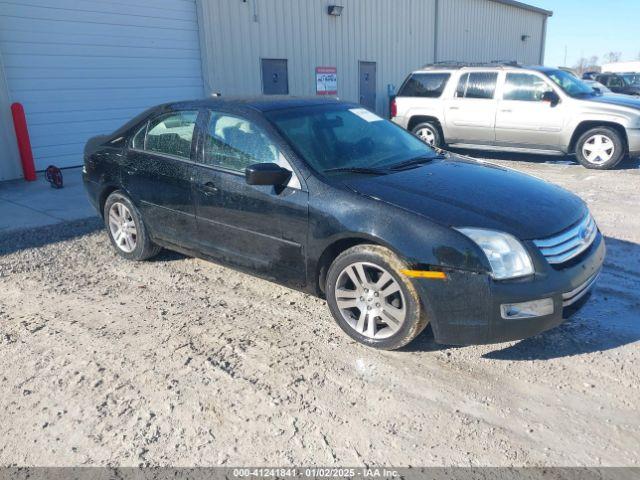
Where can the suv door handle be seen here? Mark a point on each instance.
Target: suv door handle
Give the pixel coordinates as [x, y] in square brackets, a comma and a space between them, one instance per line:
[506, 111]
[454, 108]
[208, 188]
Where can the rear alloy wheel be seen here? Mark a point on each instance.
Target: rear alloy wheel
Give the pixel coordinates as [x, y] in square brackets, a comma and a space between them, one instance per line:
[371, 301]
[428, 133]
[600, 148]
[126, 229]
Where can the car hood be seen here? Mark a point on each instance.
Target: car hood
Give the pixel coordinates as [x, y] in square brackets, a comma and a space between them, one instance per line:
[462, 193]
[616, 99]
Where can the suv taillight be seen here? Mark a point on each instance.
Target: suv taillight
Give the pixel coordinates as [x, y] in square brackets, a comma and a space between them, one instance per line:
[393, 108]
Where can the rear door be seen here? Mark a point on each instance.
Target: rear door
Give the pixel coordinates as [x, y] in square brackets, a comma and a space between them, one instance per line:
[470, 115]
[262, 229]
[157, 174]
[523, 119]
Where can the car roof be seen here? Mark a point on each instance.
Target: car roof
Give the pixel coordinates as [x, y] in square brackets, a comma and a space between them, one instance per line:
[260, 103]
[510, 66]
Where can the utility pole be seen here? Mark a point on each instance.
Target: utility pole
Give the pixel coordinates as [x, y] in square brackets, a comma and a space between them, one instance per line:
[565, 56]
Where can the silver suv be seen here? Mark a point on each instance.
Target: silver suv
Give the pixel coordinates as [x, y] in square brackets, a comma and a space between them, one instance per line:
[524, 109]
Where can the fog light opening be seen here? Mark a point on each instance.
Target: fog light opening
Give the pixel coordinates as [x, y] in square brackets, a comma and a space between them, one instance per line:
[534, 308]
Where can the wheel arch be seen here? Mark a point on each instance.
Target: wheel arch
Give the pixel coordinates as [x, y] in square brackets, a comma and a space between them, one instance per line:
[335, 248]
[418, 119]
[589, 124]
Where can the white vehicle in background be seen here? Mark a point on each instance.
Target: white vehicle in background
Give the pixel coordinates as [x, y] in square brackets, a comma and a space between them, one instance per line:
[511, 107]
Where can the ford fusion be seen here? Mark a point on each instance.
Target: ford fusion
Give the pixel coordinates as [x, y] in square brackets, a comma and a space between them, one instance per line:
[330, 199]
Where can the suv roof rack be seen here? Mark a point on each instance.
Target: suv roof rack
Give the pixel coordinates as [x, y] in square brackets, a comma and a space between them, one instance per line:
[457, 65]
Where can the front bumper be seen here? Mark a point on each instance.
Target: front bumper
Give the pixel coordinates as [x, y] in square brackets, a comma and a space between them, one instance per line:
[465, 309]
[633, 140]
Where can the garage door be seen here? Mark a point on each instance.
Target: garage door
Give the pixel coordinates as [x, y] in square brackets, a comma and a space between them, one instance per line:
[84, 67]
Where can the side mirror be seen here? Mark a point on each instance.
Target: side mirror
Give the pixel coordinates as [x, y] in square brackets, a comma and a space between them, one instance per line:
[551, 97]
[597, 90]
[267, 174]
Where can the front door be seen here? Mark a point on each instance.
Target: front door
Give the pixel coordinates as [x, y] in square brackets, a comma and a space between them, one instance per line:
[262, 229]
[157, 175]
[523, 118]
[471, 114]
[368, 85]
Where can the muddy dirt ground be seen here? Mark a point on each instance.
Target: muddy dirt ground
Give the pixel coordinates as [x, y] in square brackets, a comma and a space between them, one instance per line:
[181, 362]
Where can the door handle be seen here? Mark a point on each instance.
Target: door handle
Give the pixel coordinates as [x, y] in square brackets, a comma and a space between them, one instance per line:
[506, 111]
[454, 108]
[208, 188]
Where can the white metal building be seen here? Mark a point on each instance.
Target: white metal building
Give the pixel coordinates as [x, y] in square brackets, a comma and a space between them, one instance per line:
[83, 67]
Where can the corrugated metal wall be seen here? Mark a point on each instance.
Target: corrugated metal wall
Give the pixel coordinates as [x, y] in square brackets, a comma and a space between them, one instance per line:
[482, 31]
[396, 34]
[83, 68]
[399, 35]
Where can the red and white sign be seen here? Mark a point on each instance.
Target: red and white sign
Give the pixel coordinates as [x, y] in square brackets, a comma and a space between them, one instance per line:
[326, 81]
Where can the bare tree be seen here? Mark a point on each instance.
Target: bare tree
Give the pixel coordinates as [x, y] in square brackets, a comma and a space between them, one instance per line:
[612, 57]
[587, 64]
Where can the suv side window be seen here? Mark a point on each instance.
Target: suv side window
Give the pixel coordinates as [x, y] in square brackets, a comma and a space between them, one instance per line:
[170, 134]
[615, 81]
[481, 85]
[426, 85]
[524, 87]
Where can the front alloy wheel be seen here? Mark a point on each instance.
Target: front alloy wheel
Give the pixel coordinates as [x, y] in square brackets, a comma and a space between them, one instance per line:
[371, 300]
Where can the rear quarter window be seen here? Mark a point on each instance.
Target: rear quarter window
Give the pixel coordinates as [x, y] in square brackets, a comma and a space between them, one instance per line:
[426, 85]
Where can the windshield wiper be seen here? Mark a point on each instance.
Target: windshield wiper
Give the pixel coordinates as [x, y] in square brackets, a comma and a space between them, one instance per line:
[365, 170]
[414, 162]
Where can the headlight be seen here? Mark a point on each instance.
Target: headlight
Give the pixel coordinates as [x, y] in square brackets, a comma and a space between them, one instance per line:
[506, 255]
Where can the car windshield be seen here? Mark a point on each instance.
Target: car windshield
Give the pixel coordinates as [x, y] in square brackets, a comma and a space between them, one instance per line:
[341, 138]
[570, 84]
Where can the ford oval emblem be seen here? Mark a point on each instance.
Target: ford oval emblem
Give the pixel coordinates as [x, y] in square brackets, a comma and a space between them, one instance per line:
[582, 234]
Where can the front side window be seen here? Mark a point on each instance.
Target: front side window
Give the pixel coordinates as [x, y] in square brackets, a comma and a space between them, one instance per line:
[234, 143]
[481, 85]
[524, 87]
[429, 85]
[171, 134]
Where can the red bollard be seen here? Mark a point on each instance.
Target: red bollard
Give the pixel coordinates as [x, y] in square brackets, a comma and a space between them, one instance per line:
[24, 144]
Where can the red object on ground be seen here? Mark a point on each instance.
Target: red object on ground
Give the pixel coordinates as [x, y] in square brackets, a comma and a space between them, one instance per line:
[24, 144]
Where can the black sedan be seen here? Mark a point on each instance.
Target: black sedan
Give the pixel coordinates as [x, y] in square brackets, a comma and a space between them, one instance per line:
[328, 198]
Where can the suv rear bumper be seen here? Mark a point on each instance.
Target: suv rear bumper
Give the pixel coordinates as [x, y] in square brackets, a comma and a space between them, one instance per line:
[465, 309]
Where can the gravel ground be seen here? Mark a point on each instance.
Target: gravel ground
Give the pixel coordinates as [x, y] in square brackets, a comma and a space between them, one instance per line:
[181, 362]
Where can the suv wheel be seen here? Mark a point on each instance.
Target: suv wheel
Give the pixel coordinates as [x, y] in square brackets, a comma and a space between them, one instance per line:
[371, 301]
[600, 148]
[126, 230]
[429, 133]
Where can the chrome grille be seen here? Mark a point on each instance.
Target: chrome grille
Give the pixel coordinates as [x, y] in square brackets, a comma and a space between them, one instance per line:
[576, 294]
[570, 243]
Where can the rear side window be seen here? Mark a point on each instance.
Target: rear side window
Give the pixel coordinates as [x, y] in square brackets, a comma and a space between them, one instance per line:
[427, 85]
[477, 85]
[171, 134]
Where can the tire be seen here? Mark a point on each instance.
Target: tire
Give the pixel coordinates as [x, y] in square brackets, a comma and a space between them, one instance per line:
[602, 157]
[347, 301]
[429, 133]
[119, 215]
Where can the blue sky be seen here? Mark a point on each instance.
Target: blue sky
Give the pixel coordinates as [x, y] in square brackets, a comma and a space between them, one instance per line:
[591, 27]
